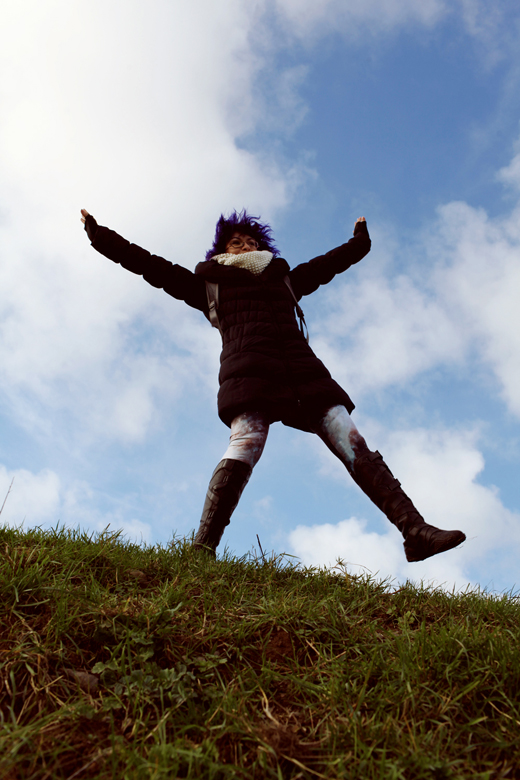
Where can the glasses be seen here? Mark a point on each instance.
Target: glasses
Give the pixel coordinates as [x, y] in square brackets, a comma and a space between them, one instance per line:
[246, 241]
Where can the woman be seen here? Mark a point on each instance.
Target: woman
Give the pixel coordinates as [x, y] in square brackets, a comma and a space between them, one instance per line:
[268, 371]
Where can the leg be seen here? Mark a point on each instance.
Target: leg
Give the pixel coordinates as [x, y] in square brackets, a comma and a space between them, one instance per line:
[373, 476]
[341, 436]
[246, 443]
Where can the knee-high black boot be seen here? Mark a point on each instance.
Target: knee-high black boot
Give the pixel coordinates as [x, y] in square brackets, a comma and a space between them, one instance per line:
[225, 488]
[421, 540]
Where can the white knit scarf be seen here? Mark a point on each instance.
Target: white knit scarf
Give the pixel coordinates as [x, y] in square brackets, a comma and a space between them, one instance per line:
[256, 262]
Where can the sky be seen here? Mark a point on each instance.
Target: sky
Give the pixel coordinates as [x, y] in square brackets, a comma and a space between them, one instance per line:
[157, 117]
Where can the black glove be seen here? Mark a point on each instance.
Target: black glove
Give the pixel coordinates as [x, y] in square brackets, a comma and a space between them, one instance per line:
[91, 227]
[360, 227]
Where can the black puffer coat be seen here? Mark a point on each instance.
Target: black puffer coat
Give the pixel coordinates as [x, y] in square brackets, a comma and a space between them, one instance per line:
[266, 364]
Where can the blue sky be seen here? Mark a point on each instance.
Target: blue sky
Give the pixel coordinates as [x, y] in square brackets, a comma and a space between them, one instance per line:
[158, 117]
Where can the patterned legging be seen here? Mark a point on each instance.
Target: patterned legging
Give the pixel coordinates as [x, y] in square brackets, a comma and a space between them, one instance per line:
[249, 434]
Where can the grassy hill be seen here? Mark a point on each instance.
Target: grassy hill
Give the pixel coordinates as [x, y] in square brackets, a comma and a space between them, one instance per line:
[121, 661]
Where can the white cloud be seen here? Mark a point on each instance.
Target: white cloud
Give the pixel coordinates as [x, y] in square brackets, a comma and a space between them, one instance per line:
[348, 540]
[80, 509]
[383, 328]
[488, 23]
[133, 530]
[510, 174]
[32, 499]
[380, 331]
[477, 274]
[43, 499]
[439, 469]
[492, 25]
[144, 135]
[307, 19]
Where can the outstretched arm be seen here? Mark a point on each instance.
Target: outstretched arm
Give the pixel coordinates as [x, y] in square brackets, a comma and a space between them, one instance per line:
[172, 278]
[307, 277]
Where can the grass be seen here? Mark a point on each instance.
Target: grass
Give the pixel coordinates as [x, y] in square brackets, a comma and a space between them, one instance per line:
[124, 661]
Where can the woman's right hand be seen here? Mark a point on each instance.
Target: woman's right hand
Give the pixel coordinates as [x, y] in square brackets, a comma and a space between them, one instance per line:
[358, 220]
[85, 214]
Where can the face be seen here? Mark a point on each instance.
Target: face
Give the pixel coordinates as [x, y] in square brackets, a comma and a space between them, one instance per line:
[240, 243]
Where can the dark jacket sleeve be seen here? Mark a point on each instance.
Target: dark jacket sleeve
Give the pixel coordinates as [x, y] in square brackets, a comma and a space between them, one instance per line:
[173, 279]
[307, 277]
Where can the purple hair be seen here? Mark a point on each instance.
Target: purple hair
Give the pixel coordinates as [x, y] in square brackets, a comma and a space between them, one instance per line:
[241, 222]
